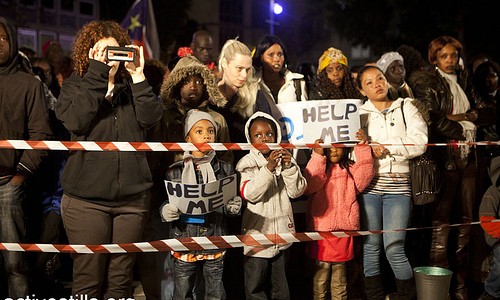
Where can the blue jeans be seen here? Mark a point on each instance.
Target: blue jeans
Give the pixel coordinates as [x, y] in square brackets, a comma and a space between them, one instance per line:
[492, 282]
[12, 230]
[386, 212]
[185, 278]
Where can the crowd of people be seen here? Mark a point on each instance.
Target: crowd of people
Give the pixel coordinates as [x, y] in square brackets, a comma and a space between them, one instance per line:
[389, 180]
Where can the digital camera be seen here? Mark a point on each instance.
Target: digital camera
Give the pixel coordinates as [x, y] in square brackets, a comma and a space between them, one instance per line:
[120, 53]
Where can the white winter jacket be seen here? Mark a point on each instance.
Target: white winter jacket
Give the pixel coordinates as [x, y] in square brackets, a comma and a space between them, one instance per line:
[390, 128]
[268, 194]
[287, 92]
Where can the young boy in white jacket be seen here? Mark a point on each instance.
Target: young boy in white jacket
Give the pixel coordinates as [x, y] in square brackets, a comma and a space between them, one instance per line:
[269, 178]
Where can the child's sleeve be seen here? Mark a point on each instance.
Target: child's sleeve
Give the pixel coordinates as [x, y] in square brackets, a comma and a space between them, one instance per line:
[362, 170]
[315, 173]
[168, 212]
[255, 181]
[488, 211]
[295, 183]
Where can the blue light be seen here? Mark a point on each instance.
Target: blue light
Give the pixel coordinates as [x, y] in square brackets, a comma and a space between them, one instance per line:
[277, 9]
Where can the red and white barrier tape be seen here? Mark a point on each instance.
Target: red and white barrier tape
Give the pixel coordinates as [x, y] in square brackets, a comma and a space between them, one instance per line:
[159, 146]
[204, 243]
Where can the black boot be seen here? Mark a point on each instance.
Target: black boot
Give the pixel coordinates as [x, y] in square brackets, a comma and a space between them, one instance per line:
[406, 289]
[461, 289]
[438, 254]
[374, 288]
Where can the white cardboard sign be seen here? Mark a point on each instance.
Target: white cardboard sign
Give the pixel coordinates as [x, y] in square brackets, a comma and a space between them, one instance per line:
[334, 121]
[200, 199]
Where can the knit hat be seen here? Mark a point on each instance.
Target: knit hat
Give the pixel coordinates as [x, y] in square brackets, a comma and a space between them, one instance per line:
[386, 60]
[195, 115]
[331, 55]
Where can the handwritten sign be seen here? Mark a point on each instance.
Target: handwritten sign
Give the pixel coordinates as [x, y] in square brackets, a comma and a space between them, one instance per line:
[200, 199]
[332, 120]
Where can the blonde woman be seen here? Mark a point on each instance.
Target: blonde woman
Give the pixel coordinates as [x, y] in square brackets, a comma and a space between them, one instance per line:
[239, 87]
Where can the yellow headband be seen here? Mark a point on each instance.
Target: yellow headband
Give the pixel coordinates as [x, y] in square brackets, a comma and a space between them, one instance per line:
[331, 55]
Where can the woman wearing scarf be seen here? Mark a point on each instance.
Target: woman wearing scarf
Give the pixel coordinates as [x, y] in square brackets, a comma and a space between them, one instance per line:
[452, 118]
[199, 167]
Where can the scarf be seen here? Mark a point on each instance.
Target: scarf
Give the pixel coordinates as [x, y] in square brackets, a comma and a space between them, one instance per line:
[203, 163]
[460, 105]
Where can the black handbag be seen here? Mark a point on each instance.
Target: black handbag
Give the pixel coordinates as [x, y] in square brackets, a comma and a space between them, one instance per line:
[425, 177]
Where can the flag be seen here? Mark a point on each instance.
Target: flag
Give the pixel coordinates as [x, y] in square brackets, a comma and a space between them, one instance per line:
[141, 26]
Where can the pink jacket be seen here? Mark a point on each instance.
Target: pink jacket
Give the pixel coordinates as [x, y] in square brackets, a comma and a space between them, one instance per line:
[332, 193]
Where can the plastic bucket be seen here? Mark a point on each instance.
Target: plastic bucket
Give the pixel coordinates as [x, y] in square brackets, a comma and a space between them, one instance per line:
[432, 283]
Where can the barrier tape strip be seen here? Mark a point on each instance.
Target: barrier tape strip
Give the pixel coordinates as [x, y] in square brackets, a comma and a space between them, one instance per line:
[160, 146]
[206, 243]
[195, 243]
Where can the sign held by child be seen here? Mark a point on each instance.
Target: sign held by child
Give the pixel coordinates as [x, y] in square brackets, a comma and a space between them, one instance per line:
[199, 199]
[337, 121]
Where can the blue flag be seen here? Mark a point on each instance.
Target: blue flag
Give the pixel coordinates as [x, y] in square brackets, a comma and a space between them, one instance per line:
[141, 26]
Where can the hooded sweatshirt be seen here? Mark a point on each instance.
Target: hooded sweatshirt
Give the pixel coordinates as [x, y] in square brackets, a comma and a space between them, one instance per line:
[268, 194]
[23, 113]
[489, 209]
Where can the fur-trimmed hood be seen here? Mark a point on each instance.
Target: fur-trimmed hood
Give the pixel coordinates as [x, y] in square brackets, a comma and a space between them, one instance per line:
[188, 66]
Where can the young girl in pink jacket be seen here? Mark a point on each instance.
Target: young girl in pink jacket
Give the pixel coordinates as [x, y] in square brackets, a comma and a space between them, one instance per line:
[334, 180]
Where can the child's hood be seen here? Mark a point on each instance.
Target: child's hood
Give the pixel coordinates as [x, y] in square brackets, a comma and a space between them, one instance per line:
[189, 66]
[264, 115]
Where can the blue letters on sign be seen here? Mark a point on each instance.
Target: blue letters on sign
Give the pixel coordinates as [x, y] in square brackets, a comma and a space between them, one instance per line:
[289, 134]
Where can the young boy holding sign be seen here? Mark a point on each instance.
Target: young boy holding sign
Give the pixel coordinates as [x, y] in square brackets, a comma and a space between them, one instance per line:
[269, 178]
[198, 167]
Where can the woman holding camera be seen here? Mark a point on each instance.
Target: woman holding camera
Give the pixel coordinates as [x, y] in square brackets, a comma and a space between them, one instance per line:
[106, 194]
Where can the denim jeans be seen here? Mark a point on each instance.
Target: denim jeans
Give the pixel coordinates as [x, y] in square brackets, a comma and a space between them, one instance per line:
[386, 212]
[257, 279]
[12, 230]
[185, 278]
[492, 282]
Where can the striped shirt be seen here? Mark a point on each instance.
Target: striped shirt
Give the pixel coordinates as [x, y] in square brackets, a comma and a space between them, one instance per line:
[390, 183]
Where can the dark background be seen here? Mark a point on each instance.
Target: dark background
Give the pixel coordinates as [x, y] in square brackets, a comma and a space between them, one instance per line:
[383, 25]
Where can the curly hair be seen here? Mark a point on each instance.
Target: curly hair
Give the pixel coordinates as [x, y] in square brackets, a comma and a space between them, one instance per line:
[413, 59]
[90, 34]
[347, 89]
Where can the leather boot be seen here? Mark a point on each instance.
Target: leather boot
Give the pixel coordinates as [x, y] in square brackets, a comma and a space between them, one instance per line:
[461, 290]
[406, 289]
[374, 288]
[439, 245]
